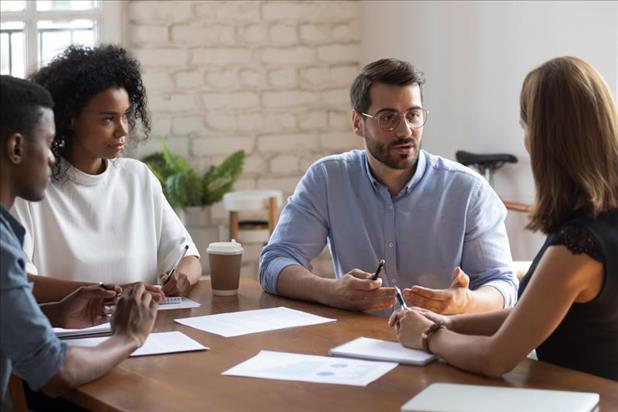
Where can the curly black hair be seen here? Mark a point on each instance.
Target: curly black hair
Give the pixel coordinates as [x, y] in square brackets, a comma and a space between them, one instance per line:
[77, 75]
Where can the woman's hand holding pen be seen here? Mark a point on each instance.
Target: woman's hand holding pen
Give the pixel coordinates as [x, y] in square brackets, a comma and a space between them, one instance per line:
[409, 325]
[178, 284]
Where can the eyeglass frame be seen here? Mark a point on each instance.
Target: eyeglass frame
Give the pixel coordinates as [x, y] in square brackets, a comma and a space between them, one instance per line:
[425, 113]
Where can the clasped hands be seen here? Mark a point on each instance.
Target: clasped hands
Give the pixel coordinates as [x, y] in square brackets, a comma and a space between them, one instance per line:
[356, 291]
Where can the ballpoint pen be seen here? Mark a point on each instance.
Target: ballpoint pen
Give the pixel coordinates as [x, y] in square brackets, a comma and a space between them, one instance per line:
[400, 299]
[378, 270]
[106, 286]
[398, 293]
[173, 269]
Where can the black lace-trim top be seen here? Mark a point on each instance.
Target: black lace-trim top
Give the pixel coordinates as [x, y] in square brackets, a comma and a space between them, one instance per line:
[587, 337]
[579, 239]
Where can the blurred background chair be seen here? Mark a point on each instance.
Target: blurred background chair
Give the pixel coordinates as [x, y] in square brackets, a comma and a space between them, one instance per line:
[252, 203]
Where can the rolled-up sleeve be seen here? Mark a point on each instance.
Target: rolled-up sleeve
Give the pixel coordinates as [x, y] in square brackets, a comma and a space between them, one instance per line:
[301, 232]
[27, 340]
[486, 253]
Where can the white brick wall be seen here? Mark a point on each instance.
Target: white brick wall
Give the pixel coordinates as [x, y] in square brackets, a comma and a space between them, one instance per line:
[268, 77]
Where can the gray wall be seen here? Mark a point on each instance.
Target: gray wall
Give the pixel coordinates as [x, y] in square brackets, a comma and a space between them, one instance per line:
[475, 56]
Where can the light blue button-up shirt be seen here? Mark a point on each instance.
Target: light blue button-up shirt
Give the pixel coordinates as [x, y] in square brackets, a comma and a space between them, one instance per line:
[446, 216]
[27, 342]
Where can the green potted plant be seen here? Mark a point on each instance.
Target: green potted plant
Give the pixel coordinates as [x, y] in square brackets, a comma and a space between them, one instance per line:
[184, 187]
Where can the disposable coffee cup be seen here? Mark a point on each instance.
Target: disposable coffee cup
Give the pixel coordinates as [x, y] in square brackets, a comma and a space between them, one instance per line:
[224, 259]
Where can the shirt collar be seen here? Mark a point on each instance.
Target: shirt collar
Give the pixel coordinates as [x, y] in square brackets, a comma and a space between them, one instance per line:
[85, 179]
[8, 220]
[421, 165]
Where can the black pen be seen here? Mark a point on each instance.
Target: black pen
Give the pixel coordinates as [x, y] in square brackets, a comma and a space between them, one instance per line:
[378, 270]
[173, 269]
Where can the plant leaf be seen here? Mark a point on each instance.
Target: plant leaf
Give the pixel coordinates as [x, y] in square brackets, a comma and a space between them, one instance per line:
[220, 179]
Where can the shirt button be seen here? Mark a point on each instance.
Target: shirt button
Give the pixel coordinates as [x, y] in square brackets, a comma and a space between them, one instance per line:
[391, 244]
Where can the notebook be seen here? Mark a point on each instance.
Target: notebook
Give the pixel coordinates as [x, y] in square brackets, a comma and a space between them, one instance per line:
[174, 302]
[94, 330]
[382, 350]
[449, 397]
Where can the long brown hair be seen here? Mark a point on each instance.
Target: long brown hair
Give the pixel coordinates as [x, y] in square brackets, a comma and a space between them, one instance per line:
[572, 124]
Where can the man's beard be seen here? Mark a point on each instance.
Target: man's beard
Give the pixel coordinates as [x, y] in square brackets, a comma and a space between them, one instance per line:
[386, 154]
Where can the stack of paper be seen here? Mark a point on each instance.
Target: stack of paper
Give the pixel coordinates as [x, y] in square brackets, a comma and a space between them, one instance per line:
[94, 330]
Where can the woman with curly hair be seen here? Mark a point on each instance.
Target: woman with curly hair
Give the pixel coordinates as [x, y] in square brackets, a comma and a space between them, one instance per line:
[567, 306]
[104, 218]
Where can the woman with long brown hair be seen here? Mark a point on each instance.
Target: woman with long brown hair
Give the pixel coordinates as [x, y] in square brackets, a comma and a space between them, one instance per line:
[568, 300]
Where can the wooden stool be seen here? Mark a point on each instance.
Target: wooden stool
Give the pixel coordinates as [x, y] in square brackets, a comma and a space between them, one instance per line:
[252, 201]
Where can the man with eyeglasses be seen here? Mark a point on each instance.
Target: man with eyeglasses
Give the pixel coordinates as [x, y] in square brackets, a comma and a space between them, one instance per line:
[438, 226]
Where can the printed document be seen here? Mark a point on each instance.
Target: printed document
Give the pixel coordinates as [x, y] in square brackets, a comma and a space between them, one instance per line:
[310, 368]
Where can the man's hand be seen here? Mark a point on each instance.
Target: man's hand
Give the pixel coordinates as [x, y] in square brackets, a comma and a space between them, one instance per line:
[355, 291]
[156, 292]
[178, 285]
[135, 314]
[85, 307]
[449, 301]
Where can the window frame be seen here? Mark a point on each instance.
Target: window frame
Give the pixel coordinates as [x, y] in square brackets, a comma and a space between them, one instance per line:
[107, 17]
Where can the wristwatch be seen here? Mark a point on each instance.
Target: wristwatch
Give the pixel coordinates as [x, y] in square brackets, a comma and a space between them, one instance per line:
[426, 336]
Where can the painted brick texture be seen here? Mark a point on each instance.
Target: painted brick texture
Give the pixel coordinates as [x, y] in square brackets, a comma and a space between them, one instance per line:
[268, 77]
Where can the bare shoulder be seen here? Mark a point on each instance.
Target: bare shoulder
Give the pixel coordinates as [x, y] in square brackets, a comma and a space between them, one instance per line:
[576, 272]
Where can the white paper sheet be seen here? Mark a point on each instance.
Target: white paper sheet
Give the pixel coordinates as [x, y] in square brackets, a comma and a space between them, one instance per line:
[156, 343]
[376, 349]
[252, 321]
[310, 368]
[178, 303]
[94, 330]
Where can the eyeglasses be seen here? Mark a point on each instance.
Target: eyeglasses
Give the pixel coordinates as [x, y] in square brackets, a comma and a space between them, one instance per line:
[389, 120]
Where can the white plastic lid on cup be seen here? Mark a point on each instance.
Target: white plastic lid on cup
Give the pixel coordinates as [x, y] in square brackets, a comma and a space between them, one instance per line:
[225, 248]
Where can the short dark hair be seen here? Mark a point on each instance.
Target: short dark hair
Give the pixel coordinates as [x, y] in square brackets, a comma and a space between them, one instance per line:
[77, 75]
[20, 105]
[388, 71]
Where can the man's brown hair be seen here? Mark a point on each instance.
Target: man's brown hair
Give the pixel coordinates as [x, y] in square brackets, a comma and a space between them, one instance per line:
[572, 125]
[388, 71]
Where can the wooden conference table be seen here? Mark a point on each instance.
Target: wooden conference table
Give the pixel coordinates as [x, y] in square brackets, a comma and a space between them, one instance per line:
[193, 381]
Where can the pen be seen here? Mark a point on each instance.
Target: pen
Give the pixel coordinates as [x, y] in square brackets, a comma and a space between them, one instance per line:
[378, 270]
[106, 287]
[400, 299]
[173, 269]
